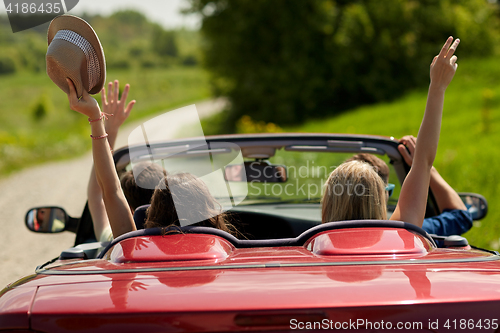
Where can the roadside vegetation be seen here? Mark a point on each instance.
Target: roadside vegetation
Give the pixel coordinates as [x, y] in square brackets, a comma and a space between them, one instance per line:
[328, 66]
[362, 67]
[468, 156]
[291, 61]
[36, 123]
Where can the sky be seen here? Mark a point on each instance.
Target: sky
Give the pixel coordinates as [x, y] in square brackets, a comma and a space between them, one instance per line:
[165, 12]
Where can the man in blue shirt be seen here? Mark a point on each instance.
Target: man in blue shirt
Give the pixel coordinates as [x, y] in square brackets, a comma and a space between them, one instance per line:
[454, 218]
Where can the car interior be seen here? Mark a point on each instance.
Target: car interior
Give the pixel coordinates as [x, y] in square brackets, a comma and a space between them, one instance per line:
[270, 180]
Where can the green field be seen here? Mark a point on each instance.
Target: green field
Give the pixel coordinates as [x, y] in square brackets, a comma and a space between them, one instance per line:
[468, 156]
[30, 134]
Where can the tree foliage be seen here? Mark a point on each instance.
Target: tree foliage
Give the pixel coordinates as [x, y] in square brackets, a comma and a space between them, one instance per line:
[283, 61]
[129, 40]
[164, 43]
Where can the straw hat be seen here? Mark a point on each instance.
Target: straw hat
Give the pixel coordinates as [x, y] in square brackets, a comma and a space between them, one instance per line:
[75, 52]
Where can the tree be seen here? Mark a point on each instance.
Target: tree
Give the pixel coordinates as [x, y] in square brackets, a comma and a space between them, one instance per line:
[283, 61]
[164, 43]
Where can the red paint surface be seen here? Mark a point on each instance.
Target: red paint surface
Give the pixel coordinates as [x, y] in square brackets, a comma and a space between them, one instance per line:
[171, 248]
[220, 298]
[368, 241]
[15, 308]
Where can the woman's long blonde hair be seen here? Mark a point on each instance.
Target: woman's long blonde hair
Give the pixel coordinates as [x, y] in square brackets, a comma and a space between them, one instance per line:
[354, 191]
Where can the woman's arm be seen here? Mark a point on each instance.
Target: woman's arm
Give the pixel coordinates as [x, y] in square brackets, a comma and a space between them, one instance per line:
[413, 198]
[446, 197]
[115, 107]
[116, 205]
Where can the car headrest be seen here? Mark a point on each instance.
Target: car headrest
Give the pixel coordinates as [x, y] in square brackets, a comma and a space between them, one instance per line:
[140, 216]
[297, 241]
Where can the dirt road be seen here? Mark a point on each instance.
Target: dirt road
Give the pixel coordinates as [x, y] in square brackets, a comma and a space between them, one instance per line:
[54, 184]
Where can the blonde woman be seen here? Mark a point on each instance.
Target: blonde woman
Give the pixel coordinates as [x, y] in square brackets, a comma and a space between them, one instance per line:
[355, 191]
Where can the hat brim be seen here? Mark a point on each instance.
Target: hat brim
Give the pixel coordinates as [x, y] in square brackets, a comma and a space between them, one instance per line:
[81, 27]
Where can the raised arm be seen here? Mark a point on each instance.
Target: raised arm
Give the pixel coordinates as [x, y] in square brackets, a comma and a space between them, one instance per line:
[446, 197]
[413, 198]
[117, 209]
[110, 105]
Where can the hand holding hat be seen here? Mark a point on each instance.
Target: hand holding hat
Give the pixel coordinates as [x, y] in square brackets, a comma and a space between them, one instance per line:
[75, 52]
[86, 104]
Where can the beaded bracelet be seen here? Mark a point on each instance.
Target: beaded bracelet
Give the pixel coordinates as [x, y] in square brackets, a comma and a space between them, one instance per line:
[105, 135]
[103, 115]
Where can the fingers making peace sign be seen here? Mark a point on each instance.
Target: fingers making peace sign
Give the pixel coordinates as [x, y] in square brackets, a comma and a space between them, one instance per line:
[444, 65]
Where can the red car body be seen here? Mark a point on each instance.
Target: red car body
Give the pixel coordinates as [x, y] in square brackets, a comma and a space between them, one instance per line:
[368, 276]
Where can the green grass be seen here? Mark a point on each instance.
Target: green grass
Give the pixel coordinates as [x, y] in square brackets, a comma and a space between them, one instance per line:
[468, 156]
[62, 133]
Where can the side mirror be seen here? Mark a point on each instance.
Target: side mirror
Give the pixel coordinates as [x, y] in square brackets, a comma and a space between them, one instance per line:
[256, 171]
[476, 205]
[50, 220]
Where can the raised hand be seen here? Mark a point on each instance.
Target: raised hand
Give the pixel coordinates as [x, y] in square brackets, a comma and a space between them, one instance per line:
[410, 142]
[112, 105]
[444, 65]
[141, 243]
[136, 285]
[86, 105]
[413, 197]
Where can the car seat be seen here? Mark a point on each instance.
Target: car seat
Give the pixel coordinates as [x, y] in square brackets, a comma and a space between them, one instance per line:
[140, 216]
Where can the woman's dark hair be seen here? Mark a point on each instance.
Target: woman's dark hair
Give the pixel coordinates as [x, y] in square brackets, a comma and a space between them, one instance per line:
[378, 164]
[139, 183]
[188, 194]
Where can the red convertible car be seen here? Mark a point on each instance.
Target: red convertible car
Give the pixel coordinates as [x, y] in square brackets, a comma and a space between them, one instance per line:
[288, 272]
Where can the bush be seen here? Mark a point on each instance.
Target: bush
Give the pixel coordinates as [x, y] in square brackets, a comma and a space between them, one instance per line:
[190, 60]
[283, 61]
[164, 43]
[246, 125]
[7, 64]
[32, 52]
[118, 62]
[41, 108]
[150, 61]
